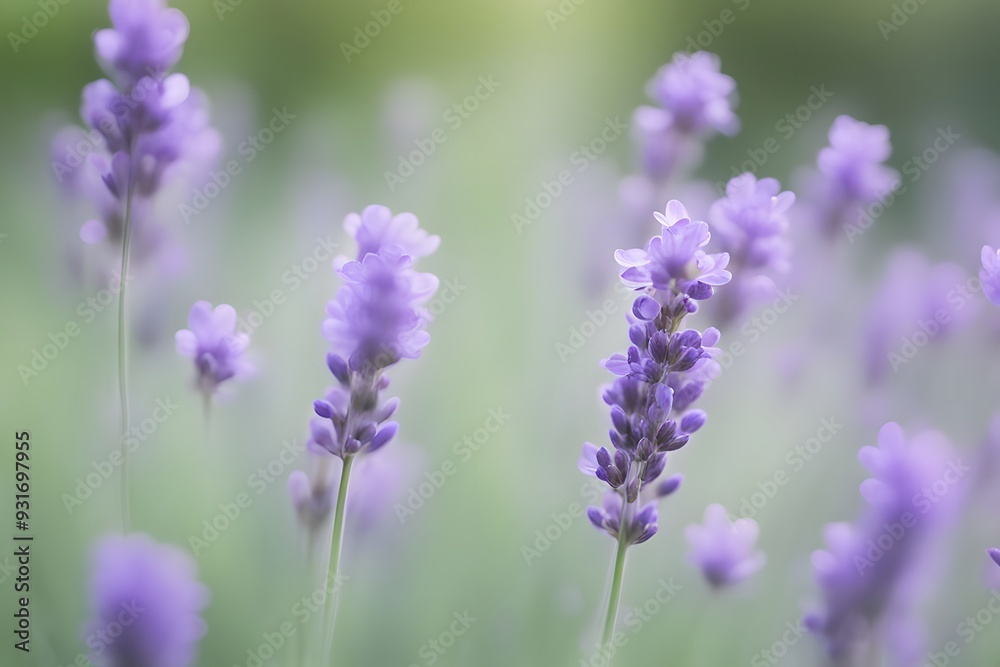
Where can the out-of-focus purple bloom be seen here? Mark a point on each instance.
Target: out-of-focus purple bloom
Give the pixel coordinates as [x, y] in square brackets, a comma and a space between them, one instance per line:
[144, 126]
[750, 224]
[376, 319]
[663, 373]
[871, 571]
[312, 502]
[145, 604]
[724, 551]
[989, 275]
[851, 172]
[214, 344]
[994, 554]
[675, 259]
[917, 302]
[695, 96]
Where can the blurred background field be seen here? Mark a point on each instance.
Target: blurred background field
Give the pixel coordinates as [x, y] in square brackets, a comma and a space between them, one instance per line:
[519, 294]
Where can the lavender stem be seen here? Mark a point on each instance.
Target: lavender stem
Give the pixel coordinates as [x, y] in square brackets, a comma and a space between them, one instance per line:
[616, 588]
[123, 358]
[336, 545]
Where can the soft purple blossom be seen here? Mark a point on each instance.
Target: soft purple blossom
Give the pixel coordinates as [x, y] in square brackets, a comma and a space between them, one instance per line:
[145, 125]
[675, 259]
[994, 555]
[851, 173]
[695, 96]
[724, 551]
[376, 228]
[145, 604]
[871, 571]
[750, 224]
[989, 274]
[215, 345]
[660, 377]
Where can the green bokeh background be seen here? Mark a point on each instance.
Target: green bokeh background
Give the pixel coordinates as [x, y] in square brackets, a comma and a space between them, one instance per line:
[495, 346]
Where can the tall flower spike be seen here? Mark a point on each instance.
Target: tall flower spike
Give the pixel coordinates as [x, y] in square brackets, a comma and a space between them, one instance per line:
[377, 318]
[724, 551]
[871, 571]
[851, 173]
[215, 345]
[660, 377]
[750, 224]
[145, 604]
[145, 124]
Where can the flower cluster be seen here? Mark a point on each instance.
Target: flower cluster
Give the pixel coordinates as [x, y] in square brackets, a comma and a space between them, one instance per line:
[989, 274]
[377, 318]
[750, 224]
[851, 171]
[724, 550]
[695, 100]
[145, 604]
[214, 344]
[871, 571]
[660, 377]
[144, 123]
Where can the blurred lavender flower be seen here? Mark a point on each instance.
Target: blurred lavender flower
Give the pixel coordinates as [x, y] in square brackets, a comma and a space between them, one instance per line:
[873, 570]
[989, 275]
[994, 554]
[377, 318]
[663, 373]
[916, 302]
[750, 224]
[724, 551]
[214, 344]
[695, 101]
[145, 603]
[851, 172]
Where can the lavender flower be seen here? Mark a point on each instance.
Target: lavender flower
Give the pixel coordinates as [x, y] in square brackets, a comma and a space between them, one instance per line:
[145, 604]
[214, 344]
[872, 570]
[750, 224]
[376, 319]
[994, 554]
[695, 101]
[724, 551]
[851, 174]
[660, 377]
[989, 275]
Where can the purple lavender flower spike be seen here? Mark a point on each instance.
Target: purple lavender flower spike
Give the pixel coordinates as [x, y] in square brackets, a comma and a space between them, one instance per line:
[146, 602]
[724, 551]
[695, 95]
[871, 571]
[377, 318]
[750, 224]
[214, 344]
[989, 275]
[659, 378]
[851, 173]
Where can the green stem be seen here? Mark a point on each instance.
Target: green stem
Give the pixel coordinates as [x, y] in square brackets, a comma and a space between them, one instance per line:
[123, 358]
[336, 544]
[616, 591]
